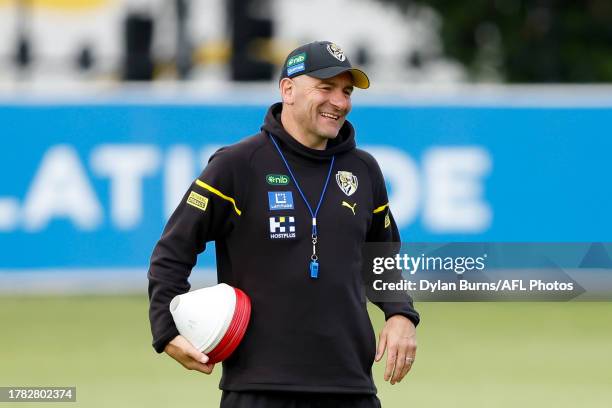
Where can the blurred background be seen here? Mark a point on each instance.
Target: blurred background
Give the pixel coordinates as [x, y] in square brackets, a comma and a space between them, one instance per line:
[490, 120]
[501, 41]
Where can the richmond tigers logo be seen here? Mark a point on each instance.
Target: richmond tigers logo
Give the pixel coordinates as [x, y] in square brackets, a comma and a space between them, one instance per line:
[347, 182]
[336, 52]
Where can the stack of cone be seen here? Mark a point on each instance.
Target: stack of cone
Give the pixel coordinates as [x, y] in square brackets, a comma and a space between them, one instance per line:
[213, 319]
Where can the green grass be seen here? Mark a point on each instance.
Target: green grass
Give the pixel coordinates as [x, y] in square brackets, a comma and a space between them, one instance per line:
[470, 355]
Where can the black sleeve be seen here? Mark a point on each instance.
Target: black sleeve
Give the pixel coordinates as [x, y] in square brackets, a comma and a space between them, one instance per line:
[384, 229]
[208, 211]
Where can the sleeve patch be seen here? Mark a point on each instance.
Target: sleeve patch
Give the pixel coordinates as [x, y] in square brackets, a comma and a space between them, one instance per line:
[387, 220]
[197, 200]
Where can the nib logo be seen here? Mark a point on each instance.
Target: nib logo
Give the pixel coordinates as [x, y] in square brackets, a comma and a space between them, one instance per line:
[277, 179]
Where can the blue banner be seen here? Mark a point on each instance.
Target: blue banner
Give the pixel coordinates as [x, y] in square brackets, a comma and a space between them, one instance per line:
[91, 186]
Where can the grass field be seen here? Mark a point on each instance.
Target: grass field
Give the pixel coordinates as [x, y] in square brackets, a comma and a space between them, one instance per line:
[470, 355]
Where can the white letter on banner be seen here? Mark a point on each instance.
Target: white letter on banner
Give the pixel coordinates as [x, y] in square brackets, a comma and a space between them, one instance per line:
[178, 176]
[61, 189]
[126, 165]
[402, 174]
[9, 214]
[454, 192]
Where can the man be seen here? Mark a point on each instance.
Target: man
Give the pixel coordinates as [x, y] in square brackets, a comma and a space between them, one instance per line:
[290, 209]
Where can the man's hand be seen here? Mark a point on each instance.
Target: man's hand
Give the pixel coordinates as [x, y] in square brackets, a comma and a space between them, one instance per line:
[399, 338]
[183, 351]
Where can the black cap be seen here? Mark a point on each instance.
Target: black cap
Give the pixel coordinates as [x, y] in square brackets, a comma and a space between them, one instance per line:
[322, 59]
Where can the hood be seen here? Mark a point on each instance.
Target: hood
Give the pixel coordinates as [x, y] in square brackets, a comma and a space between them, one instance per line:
[344, 142]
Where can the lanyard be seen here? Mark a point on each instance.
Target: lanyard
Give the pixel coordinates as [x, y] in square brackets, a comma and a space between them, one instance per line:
[314, 264]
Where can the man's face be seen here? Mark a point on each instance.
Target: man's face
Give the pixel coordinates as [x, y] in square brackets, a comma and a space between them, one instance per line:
[321, 105]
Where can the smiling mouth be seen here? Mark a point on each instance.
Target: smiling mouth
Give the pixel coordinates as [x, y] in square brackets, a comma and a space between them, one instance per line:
[330, 116]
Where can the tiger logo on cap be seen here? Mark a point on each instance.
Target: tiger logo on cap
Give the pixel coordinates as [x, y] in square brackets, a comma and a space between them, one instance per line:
[336, 52]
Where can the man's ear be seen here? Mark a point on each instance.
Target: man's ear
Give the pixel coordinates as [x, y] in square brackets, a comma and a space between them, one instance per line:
[287, 90]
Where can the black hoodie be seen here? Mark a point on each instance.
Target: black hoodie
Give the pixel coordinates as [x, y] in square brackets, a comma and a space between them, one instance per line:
[307, 335]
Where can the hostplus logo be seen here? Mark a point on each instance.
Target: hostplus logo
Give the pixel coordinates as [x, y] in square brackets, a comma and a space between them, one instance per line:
[282, 227]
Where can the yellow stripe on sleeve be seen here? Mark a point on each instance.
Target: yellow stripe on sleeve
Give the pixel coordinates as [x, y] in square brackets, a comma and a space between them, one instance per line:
[381, 208]
[218, 193]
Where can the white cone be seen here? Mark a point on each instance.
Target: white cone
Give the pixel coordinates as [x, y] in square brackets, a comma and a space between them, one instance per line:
[202, 316]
